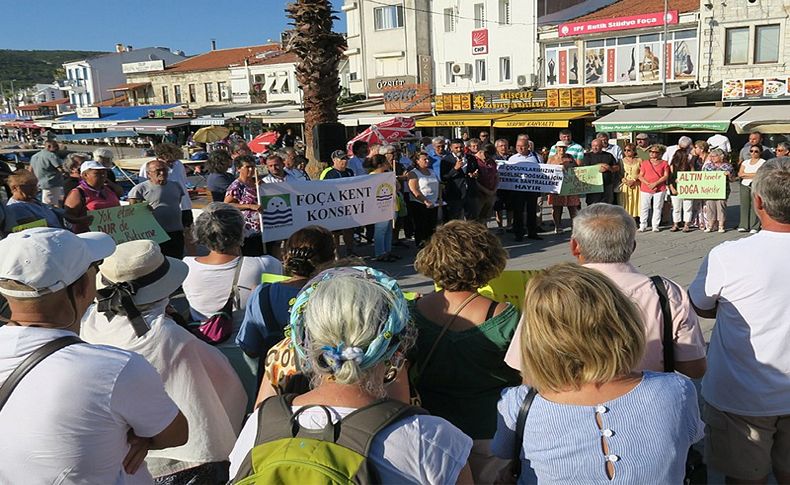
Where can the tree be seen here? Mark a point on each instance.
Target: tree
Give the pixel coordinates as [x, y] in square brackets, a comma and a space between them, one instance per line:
[320, 51]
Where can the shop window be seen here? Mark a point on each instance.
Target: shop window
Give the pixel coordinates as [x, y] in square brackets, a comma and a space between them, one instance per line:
[480, 71]
[766, 43]
[449, 20]
[480, 15]
[389, 17]
[736, 42]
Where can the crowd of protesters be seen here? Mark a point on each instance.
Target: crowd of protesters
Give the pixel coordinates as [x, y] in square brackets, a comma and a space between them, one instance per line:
[587, 382]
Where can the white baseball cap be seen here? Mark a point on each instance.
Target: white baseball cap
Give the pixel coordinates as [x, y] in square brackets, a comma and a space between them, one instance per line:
[48, 259]
[91, 165]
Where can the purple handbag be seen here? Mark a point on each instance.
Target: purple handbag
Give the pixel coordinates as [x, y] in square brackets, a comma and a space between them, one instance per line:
[218, 327]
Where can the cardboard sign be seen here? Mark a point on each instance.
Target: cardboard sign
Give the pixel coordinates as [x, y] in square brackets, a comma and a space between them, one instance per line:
[702, 185]
[128, 223]
[29, 225]
[582, 180]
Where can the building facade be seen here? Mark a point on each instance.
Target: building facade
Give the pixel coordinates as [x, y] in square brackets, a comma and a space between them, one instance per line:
[389, 44]
[267, 78]
[88, 81]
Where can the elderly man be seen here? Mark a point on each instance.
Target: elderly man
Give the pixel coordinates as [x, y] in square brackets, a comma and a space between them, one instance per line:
[85, 413]
[612, 148]
[459, 173]
[104, 156]
[163, 196]
[643, 146]
[46, 165]
[608, 165]
[684, 143]
[604, 238]
[436, 153]
[517, 199]
[747, 387]
[23, 207]
[288, 156]
[783, 149]
[573, 149]
[755, 138]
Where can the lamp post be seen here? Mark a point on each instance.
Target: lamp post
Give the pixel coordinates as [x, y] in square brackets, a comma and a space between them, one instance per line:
[664, 53]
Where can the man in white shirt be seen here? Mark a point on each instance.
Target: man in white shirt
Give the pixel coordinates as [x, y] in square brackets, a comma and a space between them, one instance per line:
[743, 285]
[612, 148]
[85, 413]
[684, 143]
[519, 199]
[720, 141]
[277, 173]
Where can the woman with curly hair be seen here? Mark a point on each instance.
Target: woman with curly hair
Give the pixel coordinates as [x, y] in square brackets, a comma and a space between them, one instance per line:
[458, 363]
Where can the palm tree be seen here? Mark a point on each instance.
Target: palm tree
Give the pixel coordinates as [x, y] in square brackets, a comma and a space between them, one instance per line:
[320, 51]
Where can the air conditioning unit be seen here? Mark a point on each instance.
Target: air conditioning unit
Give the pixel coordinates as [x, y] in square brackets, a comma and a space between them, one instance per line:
[462, 69]
[521, 80]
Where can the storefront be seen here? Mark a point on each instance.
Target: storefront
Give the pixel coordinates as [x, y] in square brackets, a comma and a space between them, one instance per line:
[698, 119]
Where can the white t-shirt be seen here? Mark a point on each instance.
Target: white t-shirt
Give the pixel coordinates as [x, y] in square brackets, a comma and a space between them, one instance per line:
[177, 174]
[749, 168]
[419, 449]
[207, 286]
[748, 358]
[720, 141]
[67, 420]
[670, 153]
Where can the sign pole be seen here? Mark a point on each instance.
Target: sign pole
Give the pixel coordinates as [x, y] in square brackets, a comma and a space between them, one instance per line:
[664, 53]
[260, 216]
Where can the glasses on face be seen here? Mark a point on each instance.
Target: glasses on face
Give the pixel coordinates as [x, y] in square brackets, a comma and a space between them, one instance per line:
[654, 151]
[754, 151]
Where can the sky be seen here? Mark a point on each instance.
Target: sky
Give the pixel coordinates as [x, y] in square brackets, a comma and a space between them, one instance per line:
[187, 25]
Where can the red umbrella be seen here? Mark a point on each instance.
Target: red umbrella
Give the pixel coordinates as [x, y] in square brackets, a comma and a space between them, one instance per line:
[261, 143]
[389, 131]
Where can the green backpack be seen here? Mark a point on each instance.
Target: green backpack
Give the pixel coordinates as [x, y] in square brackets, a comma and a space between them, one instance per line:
[286, 453]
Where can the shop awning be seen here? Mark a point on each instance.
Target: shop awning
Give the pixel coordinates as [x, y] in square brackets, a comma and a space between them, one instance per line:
[460, 119]
[129, 86]
[92, 136]
[150, 127]
[698, 119]
[543, 119]
[210, 121]
[765, 119]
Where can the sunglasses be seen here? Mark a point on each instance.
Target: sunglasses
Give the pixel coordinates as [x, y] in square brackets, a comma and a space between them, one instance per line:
[628, 150]
[654, 151]
[754, 151]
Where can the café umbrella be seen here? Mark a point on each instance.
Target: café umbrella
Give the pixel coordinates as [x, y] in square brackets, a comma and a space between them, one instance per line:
[389, 131]
[210, 134]
[262, 142]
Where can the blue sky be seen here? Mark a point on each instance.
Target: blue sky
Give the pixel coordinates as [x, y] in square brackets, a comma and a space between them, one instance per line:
[188, 25]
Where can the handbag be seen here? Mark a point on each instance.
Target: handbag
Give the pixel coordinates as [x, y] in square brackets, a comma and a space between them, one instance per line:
[696, 470]
[218, 327]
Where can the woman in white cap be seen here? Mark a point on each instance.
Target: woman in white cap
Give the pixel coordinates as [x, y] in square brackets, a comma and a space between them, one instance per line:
[91, 193]
[134, 286]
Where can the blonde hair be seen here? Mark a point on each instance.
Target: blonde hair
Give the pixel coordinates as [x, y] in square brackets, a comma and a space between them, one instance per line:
[462, 256]
[578, 328]
[21, 177]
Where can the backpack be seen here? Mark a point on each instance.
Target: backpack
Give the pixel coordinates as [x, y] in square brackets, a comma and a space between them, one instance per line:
[285, 452]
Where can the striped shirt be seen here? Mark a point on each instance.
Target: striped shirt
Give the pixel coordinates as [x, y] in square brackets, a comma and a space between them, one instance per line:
[574, 149]
[649, 431]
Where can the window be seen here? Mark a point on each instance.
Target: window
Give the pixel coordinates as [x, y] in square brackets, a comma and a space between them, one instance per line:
[88, 98]
[736, 42]
[84, 73]
[480, 71]
[480, 15]
[284, 89]
[222, 90]
[504, 12]
[449, 20]
[766, 43]
[389, 17]
[209, 87]
[165, 95]
[448, 72]
[177, 94]
[192, 94]
[504, 69]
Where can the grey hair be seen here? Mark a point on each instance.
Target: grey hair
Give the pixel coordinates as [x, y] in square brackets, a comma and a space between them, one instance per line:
[685, 142]
[784, 145]
[602, 134]
[220, 227]
[74, 160]
[386, 149]
[718, 152]
[522, 136]
[102, 153]
[346, 310]
[501, 140]
[605, 234]
[437, 139]
[772, 184]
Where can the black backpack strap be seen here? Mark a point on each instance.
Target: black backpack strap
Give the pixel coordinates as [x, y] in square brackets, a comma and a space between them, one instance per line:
[521, 422]
[358, 429]
[275, 331]
[31, 361]
[667, 341]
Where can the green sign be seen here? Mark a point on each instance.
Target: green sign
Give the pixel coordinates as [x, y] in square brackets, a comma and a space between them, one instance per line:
[711, 126]
[29, 225]
[582, 180]
[128, 223]
[702, 185]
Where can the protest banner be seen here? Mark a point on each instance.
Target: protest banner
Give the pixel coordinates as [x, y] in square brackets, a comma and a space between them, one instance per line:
[334, 204]
[530, 177]
[128, 223]
[702, 185]
[582, 180]
[29, 225]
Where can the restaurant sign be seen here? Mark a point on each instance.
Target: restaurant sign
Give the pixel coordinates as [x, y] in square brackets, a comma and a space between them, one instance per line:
[756, 89]
[409, 98]
[571, 97]
[495, 101]
[619, 23]
[453, 102]
[378, 85]
[88, 112]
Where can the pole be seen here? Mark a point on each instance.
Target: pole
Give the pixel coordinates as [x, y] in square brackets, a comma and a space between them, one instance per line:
[664, 53]
[260, 216]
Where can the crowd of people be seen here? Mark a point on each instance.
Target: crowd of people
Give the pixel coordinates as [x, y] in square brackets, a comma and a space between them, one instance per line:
[104, 381]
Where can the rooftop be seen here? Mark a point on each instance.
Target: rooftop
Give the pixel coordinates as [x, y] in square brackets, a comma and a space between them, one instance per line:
[278, 58]
[45, 104]
[625, 8]
[220, 58]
